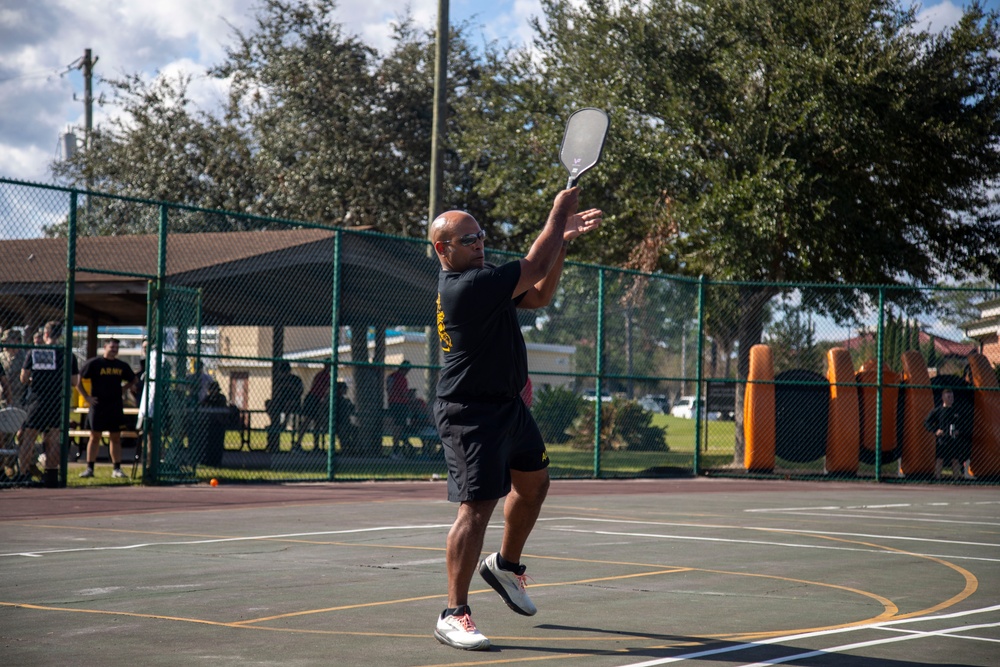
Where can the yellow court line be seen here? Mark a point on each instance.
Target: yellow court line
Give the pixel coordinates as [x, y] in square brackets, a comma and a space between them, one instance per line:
[361, 605]
[889, 608]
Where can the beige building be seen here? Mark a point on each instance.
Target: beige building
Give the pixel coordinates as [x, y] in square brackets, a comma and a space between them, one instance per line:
[986, 330]
[247, 381]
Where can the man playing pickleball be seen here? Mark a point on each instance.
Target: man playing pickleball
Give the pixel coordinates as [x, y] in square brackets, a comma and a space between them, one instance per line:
[491, 442]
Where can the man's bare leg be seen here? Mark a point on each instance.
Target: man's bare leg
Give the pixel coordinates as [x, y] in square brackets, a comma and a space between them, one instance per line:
[464, 547]
[521, 510]
[26, 451]
[115, 448]
[93, 448]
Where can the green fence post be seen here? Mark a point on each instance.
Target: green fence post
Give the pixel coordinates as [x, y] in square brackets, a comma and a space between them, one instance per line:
[157, 405]
[331, 412]
[878, 394]
[69, 314]
[598, 407]
[699, 373]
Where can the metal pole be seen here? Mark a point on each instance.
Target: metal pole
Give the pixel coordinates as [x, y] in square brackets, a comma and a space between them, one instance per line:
[440, 111]
[331, 415]
[68, 341]
[878, 395]
[699, 372]
[598, 405]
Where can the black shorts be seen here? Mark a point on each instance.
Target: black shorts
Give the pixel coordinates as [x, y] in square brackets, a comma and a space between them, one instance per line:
[483, 442]
[44, 414]
[953, 448]
[107, 418]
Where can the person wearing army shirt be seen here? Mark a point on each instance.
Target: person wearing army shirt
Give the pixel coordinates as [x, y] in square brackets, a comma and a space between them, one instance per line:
[107, 375]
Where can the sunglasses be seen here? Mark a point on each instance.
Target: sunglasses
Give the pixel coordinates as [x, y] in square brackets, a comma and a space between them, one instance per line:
[469, 239]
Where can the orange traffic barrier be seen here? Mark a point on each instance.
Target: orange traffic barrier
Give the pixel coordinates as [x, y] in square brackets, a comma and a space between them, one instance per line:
[844, 426]
[868, 374]
[918, 455]
[758, 411]
[986, 419]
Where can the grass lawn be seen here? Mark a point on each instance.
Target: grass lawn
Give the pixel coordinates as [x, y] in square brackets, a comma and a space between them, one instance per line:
[566, 461]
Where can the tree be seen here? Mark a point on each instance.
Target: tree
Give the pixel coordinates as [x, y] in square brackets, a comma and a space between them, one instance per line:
[318, 127]
[797, 141]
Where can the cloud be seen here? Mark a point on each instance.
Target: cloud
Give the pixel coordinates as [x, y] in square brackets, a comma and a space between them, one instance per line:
[939, 17]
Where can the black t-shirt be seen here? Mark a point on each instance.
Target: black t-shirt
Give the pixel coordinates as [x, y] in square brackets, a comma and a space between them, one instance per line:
[484, 353]
[46, 366]
[106, 378]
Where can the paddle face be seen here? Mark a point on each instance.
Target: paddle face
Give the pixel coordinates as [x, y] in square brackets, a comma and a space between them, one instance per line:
[583, 142]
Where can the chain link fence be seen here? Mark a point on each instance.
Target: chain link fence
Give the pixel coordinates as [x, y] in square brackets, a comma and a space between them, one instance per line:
[281, 351]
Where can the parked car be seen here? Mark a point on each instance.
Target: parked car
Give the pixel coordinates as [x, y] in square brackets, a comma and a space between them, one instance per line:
[684, 408]
[591, 395]
[658, 403]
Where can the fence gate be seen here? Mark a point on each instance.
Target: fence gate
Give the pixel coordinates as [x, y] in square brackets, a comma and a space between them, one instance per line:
[176, 449]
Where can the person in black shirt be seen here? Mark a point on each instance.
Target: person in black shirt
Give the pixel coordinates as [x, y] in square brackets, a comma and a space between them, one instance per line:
[952, 426]
[107, 375]
[42, 373]
[491, 443]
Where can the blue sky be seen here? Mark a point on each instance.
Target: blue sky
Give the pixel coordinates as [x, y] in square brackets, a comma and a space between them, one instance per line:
[39, 39]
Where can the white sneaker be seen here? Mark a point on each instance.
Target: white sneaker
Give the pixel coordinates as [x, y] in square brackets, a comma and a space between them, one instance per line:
[460, 632]
[510, 585]
[87, 473]
[117, 473]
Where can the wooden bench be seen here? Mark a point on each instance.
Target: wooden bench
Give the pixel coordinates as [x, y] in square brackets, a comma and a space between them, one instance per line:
[84, 433]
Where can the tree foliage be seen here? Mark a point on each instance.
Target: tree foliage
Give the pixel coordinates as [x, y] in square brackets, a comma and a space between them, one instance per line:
[317, 127]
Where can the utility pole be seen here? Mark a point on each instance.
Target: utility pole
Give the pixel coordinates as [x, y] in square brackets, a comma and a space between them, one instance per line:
[440, 110]
[87, 65]
[437, 170]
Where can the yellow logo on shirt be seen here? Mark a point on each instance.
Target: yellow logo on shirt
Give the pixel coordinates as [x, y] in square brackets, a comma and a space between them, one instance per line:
[442, 332]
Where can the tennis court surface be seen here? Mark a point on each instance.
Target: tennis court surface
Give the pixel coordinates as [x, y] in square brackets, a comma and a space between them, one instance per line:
[649, 572]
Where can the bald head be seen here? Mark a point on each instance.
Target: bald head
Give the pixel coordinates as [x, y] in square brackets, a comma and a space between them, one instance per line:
[445, 232]
[443, 227]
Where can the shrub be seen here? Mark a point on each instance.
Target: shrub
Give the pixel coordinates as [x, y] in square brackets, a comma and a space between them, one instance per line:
[554, 410]
[625, 425]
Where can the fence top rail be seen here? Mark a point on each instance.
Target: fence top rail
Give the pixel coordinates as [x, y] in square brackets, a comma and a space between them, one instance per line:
[508, 253]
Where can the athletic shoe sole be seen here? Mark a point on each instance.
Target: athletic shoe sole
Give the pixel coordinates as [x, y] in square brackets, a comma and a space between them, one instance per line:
[481, 646]
[487, 574]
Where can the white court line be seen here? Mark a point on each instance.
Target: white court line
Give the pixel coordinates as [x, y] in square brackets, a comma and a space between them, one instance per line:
[777, 544]
[874, 642]
[821, 633]
[765, 510]
[767, 529]
[286, 536]
[892, 518]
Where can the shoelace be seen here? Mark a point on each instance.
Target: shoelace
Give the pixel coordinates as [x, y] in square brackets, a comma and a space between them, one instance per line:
[522, 580]
[466, 621]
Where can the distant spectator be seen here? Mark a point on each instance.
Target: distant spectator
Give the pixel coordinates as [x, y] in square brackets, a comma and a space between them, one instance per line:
[12, 360]
[200, 381]
[108, 376]
[315, 407]
[214, 398]
[286, 395]
[399, 401]
[952, 426]
[43, 375]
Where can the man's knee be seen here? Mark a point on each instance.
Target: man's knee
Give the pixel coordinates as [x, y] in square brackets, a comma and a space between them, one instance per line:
[531, 486]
